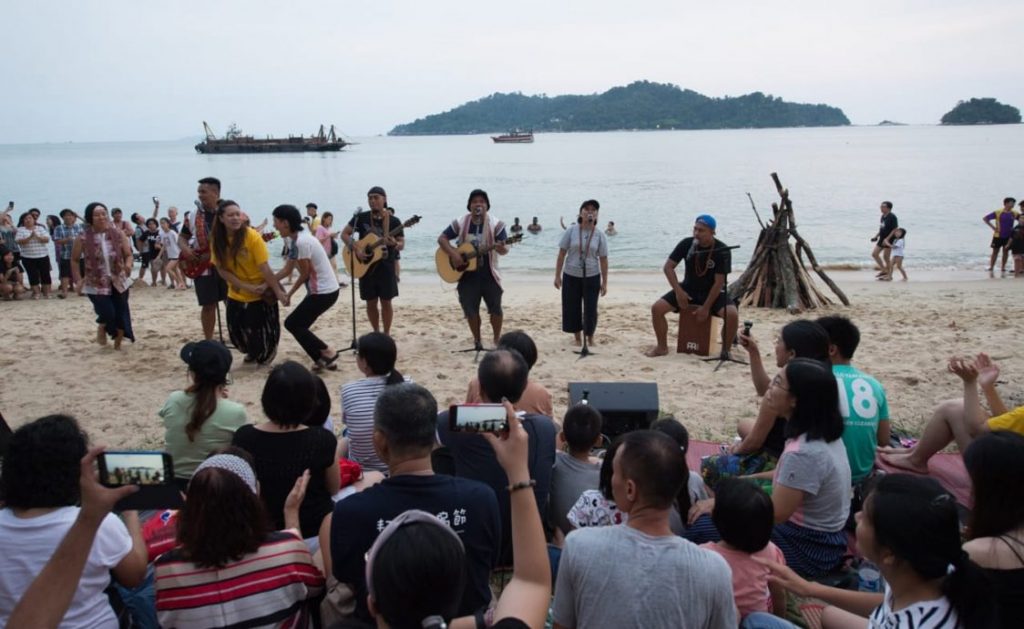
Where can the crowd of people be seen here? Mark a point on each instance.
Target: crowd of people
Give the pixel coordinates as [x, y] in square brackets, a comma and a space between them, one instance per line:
[442, 527]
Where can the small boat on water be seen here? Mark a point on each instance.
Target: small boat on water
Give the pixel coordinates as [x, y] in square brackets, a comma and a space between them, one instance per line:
[234, 141]
[514, 137]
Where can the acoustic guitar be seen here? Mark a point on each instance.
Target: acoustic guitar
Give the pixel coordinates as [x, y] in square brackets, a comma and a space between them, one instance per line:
[371, 245]
[470, 255]
[193, 268]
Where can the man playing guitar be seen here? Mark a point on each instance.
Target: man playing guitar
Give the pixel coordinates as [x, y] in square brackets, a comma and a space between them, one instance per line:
[478, 228]
[379, 285]
[210, 288]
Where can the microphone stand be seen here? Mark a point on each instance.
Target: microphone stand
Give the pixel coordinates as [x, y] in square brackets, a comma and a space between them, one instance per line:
[354, 346]
[585, 350]
[724, 356]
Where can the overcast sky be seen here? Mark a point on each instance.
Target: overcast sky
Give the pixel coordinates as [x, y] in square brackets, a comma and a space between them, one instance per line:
[143, 70]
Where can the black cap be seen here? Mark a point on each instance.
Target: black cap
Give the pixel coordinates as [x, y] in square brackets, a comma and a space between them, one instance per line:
[377, 190]
[209, 360]
[478, 193]
[66, 211]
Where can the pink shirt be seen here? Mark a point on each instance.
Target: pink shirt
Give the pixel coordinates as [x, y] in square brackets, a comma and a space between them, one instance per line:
[749, 578]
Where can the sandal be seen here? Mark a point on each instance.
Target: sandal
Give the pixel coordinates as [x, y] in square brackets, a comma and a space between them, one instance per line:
[331, 363]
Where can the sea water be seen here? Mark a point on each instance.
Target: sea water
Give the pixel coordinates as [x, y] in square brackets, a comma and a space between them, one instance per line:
[941, 180]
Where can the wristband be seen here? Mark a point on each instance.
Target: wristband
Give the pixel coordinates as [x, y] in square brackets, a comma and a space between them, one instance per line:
[525, 484]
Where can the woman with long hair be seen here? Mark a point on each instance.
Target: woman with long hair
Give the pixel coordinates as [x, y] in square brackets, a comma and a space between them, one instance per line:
[35, 255]
[108, 271]
[910, 529]
[995, 529]
[581, 272]
[200, 419]
[286, 446]
[376, 354]
[241, 258]
[231, 567]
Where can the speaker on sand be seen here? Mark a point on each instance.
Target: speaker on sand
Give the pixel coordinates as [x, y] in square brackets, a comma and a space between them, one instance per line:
[625, 406]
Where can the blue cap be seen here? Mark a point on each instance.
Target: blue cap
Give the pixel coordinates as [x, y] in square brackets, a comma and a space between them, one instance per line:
[708, 220]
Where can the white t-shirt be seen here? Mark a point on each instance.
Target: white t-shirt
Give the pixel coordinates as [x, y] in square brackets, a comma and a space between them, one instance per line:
[898, 247]
[28, 544]
[169, 239]
[322, 280]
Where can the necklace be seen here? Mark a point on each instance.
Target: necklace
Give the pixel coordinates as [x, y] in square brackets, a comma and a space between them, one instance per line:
[701, 272]
[589, 238]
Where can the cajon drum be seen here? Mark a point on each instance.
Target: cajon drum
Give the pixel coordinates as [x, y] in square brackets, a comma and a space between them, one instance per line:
[702, 339]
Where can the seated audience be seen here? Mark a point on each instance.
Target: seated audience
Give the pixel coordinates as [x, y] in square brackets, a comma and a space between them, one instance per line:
[231, 568]
[375, 357]
[641, 574]
[503, 375]
[995, 529]
[763, 439]
[673, 428]
[961, 421]
[744, 516]
[811, 486]
[405, 424]
[200, 419]
[575, 470]
[909, 528]
[285, 447]
[596, 507]
[862, 401]
[416, 561]
[40, 491]
[11, 283]
[536, 398]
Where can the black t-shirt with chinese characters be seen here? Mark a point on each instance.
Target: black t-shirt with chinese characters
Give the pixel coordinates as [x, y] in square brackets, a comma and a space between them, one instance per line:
[364, 223]
[470, 508]
[702, 264]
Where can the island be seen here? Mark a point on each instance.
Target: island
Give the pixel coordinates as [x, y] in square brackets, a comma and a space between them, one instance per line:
[981, 111]
[642, 105]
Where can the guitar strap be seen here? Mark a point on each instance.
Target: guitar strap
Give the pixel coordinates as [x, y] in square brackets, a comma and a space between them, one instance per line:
[487, 233]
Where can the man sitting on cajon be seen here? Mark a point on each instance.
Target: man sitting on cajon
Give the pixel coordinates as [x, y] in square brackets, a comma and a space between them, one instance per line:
[708, 261]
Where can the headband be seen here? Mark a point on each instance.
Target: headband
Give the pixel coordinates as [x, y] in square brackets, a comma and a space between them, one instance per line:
[231, 463]
[412, 516]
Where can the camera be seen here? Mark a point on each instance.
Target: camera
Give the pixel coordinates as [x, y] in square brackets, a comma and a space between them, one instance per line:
[477, 418]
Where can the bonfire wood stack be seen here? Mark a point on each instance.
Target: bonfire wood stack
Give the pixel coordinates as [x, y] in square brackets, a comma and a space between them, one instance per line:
[777, 276]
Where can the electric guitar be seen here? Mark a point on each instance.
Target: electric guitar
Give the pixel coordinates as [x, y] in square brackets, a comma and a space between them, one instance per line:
[371, 245]
[194, 267]
[470, 255]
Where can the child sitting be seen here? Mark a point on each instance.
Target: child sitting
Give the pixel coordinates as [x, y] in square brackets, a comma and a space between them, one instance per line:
[744, 516]
[575, 471]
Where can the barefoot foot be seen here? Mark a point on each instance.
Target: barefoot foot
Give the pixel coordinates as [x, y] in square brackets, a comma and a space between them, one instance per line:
[905, 462]
[656, 351]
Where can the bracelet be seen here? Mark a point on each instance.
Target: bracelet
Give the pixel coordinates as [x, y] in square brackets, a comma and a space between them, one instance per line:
[525, 484]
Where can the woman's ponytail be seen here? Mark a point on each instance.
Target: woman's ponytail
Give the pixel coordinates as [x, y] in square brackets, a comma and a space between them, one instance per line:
[969, 591]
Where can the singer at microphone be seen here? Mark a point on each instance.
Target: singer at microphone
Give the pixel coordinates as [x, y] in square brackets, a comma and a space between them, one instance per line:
[581, 272]
[707, 262]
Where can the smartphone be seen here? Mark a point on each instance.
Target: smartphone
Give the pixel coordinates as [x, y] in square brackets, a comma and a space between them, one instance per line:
[477, 418]
[156, 199]
[152, 471]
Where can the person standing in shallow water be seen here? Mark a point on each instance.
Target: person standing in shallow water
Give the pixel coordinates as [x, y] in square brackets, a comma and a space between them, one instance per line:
[108, 268]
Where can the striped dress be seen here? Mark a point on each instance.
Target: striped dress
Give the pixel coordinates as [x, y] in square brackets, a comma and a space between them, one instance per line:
[357, 401]
[934, 614]
[275, 586]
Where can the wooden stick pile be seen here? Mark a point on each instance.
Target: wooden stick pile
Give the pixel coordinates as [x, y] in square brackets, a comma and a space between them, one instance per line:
[777, 276]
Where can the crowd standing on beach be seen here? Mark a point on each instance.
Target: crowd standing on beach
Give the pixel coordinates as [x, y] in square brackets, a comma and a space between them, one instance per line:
[406, 521]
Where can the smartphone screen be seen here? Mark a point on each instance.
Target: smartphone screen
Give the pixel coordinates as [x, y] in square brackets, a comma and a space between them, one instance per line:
[135, 468]
[476, 418]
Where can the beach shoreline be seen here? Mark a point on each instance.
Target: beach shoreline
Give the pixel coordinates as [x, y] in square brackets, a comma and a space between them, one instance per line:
[909, 329]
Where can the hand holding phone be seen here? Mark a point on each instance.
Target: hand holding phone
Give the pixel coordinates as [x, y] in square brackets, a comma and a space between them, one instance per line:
[152, 472]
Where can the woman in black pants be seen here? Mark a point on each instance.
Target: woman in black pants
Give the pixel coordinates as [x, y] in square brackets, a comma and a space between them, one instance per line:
[317, 273]
[35, 253]
[581, 272]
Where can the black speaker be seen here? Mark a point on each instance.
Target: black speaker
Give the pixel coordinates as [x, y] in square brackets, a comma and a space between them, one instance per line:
[625, 406]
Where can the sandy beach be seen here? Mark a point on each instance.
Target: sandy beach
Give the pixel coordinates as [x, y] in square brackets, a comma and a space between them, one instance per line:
[908, 329]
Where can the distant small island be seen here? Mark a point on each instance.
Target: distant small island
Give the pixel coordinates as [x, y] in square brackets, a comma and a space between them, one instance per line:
[641, 105]
[981, 111]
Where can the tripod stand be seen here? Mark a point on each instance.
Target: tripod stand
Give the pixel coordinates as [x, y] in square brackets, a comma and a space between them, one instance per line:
[352, 285]
[724, 356]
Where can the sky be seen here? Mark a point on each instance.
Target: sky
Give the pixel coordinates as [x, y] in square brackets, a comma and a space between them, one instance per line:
[118, 71]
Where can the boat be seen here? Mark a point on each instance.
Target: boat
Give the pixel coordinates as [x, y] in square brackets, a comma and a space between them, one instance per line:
[514, 137]
[234, 141]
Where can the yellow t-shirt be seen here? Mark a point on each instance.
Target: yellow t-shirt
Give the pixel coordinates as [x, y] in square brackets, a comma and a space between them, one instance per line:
[246, 266]
[1013, 421]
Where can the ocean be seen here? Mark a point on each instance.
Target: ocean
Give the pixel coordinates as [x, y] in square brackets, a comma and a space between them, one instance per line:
[941, 181]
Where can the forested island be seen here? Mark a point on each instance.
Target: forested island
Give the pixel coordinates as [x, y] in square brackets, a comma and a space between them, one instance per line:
[981, 111]
[642, 105]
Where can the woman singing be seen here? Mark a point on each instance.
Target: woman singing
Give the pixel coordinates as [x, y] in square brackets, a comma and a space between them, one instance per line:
[108, 271]
[241, 258]
[583, 252]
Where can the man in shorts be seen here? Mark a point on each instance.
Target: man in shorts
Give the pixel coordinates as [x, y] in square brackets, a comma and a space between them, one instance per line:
[887, 223]
[707, 262]
[480, 229]
[1001, 231]
[210, 288]
[379, 285]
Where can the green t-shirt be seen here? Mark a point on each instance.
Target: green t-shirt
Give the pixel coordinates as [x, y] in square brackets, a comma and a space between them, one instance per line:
[215, 433]
[862, 404]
